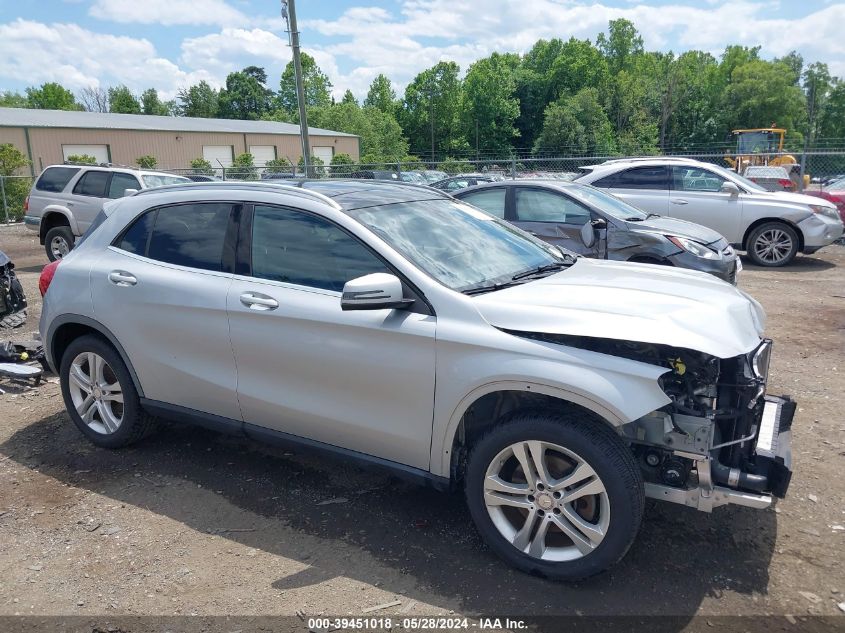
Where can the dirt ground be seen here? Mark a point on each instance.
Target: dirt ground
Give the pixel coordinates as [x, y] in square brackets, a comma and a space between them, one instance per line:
[191, 522]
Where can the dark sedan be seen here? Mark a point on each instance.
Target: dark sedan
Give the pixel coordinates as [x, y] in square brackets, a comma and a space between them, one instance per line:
[594, 223]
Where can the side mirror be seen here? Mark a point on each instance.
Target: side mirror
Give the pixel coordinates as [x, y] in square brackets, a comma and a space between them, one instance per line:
[378, 291]
[588, 234]
[129, 192]
[729, 187]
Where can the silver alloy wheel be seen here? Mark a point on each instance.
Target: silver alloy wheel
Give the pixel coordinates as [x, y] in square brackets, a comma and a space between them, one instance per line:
[59, 247]
[547, 501]
[96, 393]
[773, 246]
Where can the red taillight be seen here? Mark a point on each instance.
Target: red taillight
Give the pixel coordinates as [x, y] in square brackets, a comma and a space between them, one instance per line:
[786, 183]
[47, 275]
[26, 204]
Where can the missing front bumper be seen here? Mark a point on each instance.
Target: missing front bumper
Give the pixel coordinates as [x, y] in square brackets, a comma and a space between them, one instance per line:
[773, 459]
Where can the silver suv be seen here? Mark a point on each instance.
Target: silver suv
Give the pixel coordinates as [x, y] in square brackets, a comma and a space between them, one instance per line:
[392, 324]
[771, 226]
[65, 199]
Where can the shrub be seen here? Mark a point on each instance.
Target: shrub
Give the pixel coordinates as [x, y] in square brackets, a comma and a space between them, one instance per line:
[277, 166]
[16, 190]
[146, 162]
[202, 166]
[454, 166]
[243, 168]
[82, 159]
[11, 159]
[317, 165]
[342, 165]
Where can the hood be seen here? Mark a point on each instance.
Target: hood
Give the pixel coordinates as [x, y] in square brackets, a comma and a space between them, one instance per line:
[679, 228]
[632, 302]
[798, 198]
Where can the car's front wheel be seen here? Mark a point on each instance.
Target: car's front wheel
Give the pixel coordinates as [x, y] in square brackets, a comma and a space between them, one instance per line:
[555, 494]
[99, 394]
[773, 244]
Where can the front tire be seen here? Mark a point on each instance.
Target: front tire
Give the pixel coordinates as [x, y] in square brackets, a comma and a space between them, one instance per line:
[773, 244]
[99, 394]
[578, 509]
[58, 242]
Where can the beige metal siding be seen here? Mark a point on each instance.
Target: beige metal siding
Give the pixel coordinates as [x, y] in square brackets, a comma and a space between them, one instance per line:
[171, 149]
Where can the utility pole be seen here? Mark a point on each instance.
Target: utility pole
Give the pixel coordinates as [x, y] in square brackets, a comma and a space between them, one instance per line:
[289, 13]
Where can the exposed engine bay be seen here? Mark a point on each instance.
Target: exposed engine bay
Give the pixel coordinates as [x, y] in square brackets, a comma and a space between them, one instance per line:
[719, 430]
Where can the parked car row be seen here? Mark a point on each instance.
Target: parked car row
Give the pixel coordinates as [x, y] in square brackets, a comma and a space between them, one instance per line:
[399, 326]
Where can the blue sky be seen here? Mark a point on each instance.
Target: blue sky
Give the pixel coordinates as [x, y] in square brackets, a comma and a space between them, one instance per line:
[170, 44]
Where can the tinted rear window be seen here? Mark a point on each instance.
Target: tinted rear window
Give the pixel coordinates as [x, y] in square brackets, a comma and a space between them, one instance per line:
[191, 235]
[92, 183]
[55, 178]
[137, 235]
[656, 177]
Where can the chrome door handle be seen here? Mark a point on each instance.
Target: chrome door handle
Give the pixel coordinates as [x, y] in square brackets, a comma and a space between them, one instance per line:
[258, 301]
[122, 278]
[680, 201]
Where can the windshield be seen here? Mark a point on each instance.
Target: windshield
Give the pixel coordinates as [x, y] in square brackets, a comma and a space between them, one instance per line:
[606, 202]
[732, 175]
[458, 245]
[158, 180]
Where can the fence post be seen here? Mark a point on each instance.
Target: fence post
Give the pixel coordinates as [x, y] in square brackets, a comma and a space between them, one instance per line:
[803, 170]
[5, 204]
[399, 170]
[513, 167]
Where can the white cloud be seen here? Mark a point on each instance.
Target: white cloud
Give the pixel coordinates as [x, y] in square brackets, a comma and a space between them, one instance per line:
[168, 12]
[33, 53]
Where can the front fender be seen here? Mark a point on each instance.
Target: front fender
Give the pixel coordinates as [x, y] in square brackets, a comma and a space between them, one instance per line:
[616, 389]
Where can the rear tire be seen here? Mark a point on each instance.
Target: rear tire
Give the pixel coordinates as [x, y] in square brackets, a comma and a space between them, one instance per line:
[58, 242]
[586, 508]
[773, 244]
[100, 396]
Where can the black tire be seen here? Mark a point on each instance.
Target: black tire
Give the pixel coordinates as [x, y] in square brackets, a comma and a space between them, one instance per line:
[58, 232]
[754, 244]
[599, 446]
[136, 422]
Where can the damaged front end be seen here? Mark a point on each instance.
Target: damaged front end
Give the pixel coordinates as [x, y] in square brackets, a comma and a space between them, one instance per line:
[721, 440]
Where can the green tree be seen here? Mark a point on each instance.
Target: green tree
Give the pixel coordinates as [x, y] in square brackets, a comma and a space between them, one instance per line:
[202, 166]
[152, 104]
[122, 100]
[146, 162]
[381, 95]
[489, 107]
[11, 160]
[576, 125]
[316, 84]
[51, 96]
[430, 114]
[817, 86]
[578, 65]
[381, 135]
[621, 45]
[200, 101]
[832, 117]
[246, 95]
[82, 159]
[454, 166]
[348, 97]
[342, 165]
[11, 99]
[243, 168]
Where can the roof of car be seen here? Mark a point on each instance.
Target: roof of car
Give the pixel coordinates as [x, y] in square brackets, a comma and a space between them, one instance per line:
[549, 183]
[621, 163]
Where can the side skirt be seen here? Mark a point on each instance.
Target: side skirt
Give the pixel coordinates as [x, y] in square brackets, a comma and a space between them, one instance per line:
[260, 434]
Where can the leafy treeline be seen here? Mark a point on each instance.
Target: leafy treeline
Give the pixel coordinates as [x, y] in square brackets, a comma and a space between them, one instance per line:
[561, 97]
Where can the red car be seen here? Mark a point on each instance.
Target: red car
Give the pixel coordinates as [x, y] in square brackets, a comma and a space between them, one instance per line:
[835, 193]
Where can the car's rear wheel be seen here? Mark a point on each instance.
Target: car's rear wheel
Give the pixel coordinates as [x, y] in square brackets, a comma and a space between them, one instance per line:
[773, 244]
[99, 394]
[58, 241]
[555, 494]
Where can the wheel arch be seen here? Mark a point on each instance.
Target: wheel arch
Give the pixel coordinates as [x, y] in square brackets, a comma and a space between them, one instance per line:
[53, 217]
[486, 405]
[65, 329]
[762, 221]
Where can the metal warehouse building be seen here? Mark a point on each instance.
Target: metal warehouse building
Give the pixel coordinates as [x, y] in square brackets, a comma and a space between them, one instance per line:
[48, 137]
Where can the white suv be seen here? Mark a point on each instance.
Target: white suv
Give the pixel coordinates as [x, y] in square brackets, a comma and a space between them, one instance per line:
[771, 226]
[392, 324]
[65, 199]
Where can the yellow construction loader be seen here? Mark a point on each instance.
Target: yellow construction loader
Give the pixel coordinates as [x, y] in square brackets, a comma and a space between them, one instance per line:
[764, 146]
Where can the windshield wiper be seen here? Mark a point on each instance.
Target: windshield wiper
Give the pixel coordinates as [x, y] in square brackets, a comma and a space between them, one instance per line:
[652, 215]
[634, 218]
[477, 290]
[540, 270]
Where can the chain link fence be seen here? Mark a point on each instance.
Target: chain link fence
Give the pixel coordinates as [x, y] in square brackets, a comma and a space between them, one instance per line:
[821, 167]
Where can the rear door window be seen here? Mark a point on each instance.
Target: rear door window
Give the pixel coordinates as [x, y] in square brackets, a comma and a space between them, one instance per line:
[651, 177]
[93, 183]
[537, 205]
[695, 179]
[491, 200]
[55, 179]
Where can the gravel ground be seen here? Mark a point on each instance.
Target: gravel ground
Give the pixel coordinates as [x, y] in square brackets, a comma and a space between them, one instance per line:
[191, 522]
